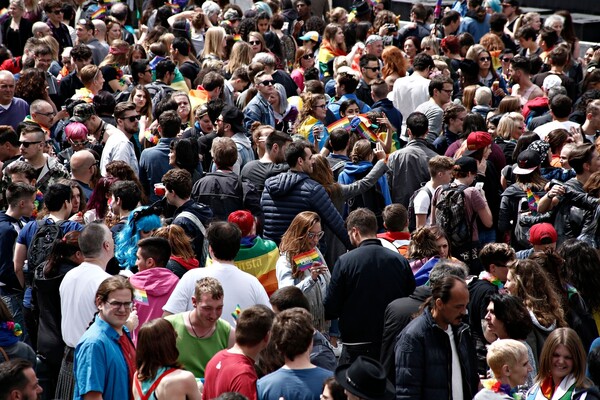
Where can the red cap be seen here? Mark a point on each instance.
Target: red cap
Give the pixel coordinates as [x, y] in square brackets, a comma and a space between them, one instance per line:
[243, 219]
[478, 140]
[543, 233]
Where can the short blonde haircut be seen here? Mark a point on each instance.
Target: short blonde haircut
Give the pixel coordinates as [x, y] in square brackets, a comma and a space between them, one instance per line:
[508, 123]
[505, 352]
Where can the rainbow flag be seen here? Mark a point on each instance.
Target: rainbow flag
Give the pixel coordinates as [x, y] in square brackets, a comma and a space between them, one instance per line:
[362, 125]
[532, 201]
[343, 123]
[140, 296]
[305, 260]
[99, 12]
[237, 37]
[236, 313]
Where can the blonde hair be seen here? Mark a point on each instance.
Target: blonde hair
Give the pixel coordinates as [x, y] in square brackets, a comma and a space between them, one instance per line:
[213, 42]
[53, 44]
[120, 59]
[241, 55]
[336, 15]
[508, 123]
[505, 352]
[432, 42]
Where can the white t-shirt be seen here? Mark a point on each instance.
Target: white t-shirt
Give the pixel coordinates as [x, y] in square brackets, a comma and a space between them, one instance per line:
[240, 288]
[422, 202]
[544, 130]
[77, 300]
[457, 386]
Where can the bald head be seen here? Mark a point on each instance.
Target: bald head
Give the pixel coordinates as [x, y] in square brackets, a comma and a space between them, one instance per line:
[100, 31]
[81, 161]
[40, 29]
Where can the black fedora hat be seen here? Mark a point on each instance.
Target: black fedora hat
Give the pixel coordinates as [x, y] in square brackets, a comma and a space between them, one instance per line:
[366, 379]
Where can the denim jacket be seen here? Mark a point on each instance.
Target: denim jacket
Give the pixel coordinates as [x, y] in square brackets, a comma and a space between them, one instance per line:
[259, 110]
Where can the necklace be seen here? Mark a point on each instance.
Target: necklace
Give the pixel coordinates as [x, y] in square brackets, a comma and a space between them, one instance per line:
[193, 330]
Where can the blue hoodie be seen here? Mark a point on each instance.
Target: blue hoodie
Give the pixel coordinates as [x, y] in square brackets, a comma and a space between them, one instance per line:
[353, 170]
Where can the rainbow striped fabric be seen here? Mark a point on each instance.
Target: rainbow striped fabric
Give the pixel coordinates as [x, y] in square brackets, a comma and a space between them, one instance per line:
[305, 260]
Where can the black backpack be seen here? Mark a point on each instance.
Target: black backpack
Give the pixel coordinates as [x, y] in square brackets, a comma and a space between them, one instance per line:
[372, 199]
[451, 215]
[412, 218]
[41, 245]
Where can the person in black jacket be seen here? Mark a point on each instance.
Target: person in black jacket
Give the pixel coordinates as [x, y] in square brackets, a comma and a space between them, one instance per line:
[425, 345]
[363, 283]
[400, 312]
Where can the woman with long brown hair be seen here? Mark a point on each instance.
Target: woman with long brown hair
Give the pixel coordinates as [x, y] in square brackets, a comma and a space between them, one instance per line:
[561, 372]
[158, 371]
[333, 45]
[301, 263]
[529, 282]
[182, 258]
[305, 59]
[487, 74]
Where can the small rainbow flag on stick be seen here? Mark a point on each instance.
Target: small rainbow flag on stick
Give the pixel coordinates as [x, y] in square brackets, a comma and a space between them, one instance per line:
[140, 296]
[305, 260]
[99, 12]
[360, 124]
[236, 313]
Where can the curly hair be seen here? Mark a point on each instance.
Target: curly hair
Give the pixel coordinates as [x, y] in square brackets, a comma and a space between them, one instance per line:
[393, 62]
[423, 244]
[123, 172]
[383, 17]
[126, 240]
[294, 240]
[534, 287]
[581, 268]
[309, 100]
[31, 86]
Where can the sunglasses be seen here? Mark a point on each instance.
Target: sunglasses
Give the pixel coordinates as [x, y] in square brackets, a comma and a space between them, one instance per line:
[133, 118]
[483, 59]
[374, 69]
[507, 59]
[27, 144]
[254, 42]
[82, 143]
[308, 57]
[268, 83]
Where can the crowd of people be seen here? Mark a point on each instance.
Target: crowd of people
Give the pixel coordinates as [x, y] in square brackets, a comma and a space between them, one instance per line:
[297, 200]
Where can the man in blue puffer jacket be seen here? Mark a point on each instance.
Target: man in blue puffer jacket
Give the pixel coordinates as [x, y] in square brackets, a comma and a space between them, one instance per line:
[288, 194]
[435, 354]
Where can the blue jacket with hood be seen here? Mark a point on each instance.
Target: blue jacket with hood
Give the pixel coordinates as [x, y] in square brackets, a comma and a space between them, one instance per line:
[288, 194]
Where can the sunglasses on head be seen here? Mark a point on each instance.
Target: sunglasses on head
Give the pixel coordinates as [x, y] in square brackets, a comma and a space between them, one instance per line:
[268, 83]
[27, 144]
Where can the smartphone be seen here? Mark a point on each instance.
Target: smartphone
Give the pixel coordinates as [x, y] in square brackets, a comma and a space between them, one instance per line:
[479, 185]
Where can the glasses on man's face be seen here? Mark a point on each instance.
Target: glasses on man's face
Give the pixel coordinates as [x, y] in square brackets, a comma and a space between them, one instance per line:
[254, 42]
[27, 144]
[507, 59]
[312, 235]
[268, 83]
[374, 69]
[50, 114]
[116, 305]
[95, 164]
[132, 118]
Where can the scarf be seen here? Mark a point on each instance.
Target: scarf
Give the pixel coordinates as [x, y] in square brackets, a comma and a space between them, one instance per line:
[547, 390]
[9, 333]
[486, 276]
[326, 45]
[187, 263]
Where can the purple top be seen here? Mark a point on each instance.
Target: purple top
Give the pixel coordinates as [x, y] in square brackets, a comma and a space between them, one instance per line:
[14, 114]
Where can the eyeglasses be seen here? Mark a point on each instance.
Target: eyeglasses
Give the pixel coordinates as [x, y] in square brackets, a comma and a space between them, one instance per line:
[96, 164]
[27, 144]
[268, 83]
[132, 118]
[323, 106]
[374, 69]
[312, 235]
[82, 143]
[483, 59]
[50, 114]
[56, 12]
[449, 91]
[308, 56]
[115, 305]
[254, 42]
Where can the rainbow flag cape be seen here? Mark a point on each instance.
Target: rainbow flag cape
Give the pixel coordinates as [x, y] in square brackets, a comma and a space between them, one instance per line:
[305, 260]
[99, 12]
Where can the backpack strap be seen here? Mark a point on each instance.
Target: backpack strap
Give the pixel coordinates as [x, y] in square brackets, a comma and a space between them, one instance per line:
[195, 220]
[146, 396]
